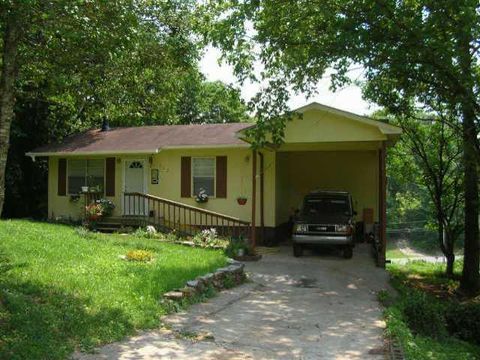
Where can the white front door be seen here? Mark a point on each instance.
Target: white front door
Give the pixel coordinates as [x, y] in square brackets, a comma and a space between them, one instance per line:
[134, 183]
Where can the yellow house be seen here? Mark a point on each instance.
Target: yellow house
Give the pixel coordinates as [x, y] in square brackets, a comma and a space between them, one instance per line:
[324, 148]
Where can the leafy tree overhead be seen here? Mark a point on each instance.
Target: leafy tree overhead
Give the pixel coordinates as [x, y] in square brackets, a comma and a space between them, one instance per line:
[206, 102]
[417, 55]
[67, 65]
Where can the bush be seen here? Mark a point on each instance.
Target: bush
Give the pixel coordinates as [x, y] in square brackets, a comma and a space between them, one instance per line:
[463, 321]
[209, 238]
[145, 233]
[139, 255]
[424, 315]
[235, 245]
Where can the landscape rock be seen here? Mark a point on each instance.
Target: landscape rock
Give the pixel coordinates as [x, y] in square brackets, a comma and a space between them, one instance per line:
[231, 261]
[193, 283]
[174, 295]
[218, 279]
[187, 291]
[151, 230]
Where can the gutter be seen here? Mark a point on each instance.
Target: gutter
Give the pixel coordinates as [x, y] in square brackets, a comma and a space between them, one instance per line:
[34, 155]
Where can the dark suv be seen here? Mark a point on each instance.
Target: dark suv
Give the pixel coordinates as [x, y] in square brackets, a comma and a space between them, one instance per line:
[326, 218]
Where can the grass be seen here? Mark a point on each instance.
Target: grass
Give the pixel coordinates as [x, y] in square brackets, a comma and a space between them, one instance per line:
[426, 277]
[69, 290]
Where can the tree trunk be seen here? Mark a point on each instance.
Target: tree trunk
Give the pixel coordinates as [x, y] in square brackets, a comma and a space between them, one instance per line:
[450, 263]
[449, 241]
[470, 281]
[7, 94]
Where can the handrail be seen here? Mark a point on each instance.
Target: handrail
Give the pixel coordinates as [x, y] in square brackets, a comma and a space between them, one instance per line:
[193, 208]
[187, 219]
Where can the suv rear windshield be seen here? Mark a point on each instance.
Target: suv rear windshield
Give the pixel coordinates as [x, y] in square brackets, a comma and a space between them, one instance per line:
[327, 205]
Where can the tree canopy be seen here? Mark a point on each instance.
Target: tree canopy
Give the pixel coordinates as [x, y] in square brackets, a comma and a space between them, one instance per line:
[416, 55]
[70, 64]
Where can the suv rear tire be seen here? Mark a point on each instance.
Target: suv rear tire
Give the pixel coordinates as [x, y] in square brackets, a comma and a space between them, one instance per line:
[297, 250]
[347, 252]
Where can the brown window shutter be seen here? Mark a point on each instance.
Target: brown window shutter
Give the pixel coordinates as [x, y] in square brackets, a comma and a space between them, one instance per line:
[221, 181]
[110, 176]
[186, 177]
[62, 177]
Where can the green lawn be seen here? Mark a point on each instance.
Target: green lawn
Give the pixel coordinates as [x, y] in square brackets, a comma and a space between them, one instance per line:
[419, 276]
[66, 290]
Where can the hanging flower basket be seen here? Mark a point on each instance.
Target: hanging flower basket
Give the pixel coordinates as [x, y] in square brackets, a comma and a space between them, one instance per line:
[241, 200]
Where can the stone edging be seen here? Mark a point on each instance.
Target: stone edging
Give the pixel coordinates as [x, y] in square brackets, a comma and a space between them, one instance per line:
[234, 272]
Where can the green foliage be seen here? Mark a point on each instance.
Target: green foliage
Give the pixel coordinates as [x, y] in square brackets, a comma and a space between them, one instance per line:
[423, 315]
[143, 233]
[235, 245]
[206, 102]
[463, 321]
[134, 63]
[209, 238]
[408, 309]
[406, 49]
[65, 292]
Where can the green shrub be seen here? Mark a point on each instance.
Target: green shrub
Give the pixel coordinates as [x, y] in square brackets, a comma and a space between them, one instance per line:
[424, 315]
[146, 233]
[234, 245]
[139, 255]
[209, 238]
[463, 321]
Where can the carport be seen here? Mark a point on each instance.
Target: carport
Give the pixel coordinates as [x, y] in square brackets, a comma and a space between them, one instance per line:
[327, 149]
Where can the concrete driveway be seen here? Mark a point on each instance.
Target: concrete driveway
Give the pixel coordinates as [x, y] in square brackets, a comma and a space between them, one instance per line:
[319, 306]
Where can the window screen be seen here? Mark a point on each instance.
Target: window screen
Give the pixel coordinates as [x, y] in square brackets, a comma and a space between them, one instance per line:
[203, 174]
[76, 175]
[85, 173]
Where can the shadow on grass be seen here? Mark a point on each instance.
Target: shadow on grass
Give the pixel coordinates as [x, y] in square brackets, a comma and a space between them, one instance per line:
[39, 322]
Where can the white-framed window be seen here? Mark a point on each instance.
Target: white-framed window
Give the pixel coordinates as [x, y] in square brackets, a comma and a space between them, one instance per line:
[203, 175]
[89, 173]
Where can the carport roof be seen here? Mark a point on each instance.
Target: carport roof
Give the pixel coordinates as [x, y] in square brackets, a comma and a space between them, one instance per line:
[385, 128]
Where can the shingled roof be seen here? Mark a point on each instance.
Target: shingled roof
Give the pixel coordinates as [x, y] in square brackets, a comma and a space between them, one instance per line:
[145, 139]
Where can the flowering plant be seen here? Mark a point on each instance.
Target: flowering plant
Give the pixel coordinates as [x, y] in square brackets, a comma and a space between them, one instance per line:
[93, 211]
[106, 206]
[209, 238]
[202, 196]
[98, 209]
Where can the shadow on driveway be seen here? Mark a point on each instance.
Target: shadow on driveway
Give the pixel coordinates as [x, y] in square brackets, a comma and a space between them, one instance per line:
[313, 307]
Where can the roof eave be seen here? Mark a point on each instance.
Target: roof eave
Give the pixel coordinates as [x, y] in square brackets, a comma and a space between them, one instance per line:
[34, 154]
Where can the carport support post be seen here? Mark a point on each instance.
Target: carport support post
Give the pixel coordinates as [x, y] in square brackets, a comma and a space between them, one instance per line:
[253, 234]
[383, 204]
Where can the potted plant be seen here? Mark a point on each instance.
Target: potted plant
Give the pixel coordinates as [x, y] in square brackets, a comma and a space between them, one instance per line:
[106, 206]
[93, 212]
[202, 196]
[241, 200]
